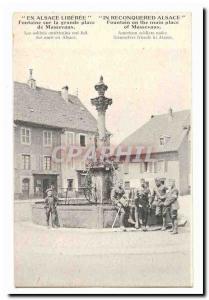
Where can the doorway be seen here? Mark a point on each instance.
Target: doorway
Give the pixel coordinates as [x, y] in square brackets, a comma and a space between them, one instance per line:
[42, 183]
[25, 188]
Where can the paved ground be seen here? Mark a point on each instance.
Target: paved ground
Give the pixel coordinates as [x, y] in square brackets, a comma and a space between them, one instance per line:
[94, 258]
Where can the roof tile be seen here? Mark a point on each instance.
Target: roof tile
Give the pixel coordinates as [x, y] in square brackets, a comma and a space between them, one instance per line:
[47, 107]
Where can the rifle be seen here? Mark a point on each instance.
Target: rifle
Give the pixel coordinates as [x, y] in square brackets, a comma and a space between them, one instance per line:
[113, 224]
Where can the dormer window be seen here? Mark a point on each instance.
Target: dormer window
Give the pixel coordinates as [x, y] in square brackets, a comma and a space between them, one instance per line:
[164, 139]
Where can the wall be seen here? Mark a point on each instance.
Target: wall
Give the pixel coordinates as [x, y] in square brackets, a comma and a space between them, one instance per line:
[135, 175]
[69, 167]
[185, 168]
[37, 150]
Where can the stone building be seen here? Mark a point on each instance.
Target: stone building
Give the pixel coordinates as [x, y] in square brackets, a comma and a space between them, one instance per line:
[46, 121]
[167, 138]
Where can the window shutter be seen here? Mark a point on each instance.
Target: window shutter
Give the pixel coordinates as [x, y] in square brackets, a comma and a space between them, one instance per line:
[87, 140]
[41, 162]
[18, 161]
[21, 162]
[141, 167]
[77, 139]
[155, 167]
[55, 165]
[166, 166]
[151, 167]
[33, 162]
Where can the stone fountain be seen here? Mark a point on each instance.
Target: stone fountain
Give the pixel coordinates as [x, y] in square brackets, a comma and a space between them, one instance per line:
[98, 212]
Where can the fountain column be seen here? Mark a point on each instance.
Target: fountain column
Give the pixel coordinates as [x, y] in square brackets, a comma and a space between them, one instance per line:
[101, 171]
[101, 103]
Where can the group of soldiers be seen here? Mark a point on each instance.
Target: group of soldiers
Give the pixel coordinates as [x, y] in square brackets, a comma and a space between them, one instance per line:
[134, 208]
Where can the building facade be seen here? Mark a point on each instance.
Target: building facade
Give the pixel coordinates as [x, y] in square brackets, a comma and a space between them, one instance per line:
[46, 124]
[167, 139]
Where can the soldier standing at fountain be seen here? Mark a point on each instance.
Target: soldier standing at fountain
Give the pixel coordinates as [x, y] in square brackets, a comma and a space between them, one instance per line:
[51, 208]
[118, 198]
[171, 203]
[143, 204]
[158, 198]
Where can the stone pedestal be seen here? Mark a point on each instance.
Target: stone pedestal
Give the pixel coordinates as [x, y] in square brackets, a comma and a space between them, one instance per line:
[102, 174]
[102, 183]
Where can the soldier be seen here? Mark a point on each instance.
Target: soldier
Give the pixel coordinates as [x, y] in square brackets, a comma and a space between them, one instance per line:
[134, 206]
[133, 211]
[119, 199]
[172, 204]
[158, 198]
[51, 208]
[148, 191]
[143, 200]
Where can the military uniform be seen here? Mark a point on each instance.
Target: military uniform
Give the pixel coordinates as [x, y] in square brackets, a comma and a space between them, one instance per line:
[51, 209]
[158, 199]
[143, 203]
[133, 208]
[172, 205]
[117, 196]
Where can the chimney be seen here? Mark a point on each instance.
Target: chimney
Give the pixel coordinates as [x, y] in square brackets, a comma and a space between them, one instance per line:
[64, 93]
[170, 114]
[31, 81]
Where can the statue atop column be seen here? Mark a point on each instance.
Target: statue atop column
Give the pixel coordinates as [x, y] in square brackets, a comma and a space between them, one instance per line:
[101, 103]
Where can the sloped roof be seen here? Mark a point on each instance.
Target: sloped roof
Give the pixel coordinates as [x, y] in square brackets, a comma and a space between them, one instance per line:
[47, 107]
[158, 126]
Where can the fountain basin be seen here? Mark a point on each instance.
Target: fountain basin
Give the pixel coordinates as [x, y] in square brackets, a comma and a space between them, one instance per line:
[78, 216]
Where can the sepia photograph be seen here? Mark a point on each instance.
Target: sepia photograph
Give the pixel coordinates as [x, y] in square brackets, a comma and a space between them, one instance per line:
[102, 126]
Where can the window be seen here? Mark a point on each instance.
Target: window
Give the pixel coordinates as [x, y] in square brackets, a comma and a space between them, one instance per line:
[25, 136]
[82, 140]
[47, 162]
[47, 138]
[150, 167]
[26, 161]
[141, 167]
[70, 138]
[70, 184]
[125, 168]
[145, 166]
[164, 139]
[160, 166]
[155, 167]
[162, 142]
[82, 180]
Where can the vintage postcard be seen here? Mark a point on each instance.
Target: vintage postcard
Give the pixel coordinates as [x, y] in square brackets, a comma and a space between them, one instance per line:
[102, 149]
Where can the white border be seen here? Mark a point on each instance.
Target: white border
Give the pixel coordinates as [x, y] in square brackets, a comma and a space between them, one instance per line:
[6, 218]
